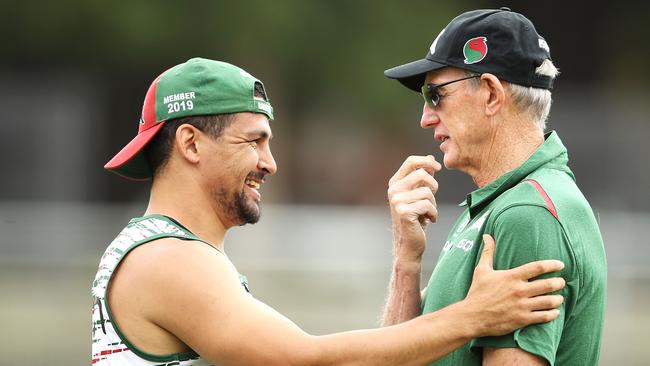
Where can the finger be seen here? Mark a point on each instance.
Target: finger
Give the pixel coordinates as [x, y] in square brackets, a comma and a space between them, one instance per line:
[431, 210]
[487, 256]
[425, 208]
[418, 194]
[543, 286]
[542, 316]
[545, 302]
[413, 211]
[534, 269]
[417, 178]
[415, 162]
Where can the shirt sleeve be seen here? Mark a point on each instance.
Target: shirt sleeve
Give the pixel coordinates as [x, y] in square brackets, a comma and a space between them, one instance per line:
[524, 234]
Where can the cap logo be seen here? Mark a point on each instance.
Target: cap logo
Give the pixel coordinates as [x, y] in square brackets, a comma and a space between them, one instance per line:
[475, 50]
[435, 42]
[543, 45]
[179, 102]
[265, 107]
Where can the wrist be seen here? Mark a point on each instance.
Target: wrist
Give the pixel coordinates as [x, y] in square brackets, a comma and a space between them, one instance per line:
[471, 324]
[410, 264]
[456, 322]
[406, 250]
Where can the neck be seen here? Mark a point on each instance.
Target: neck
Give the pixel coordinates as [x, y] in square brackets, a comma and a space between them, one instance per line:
[185, 202]
[509, 146]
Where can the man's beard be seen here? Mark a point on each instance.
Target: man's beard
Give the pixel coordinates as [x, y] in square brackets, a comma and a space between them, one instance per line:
[239, 209]
[246, 212]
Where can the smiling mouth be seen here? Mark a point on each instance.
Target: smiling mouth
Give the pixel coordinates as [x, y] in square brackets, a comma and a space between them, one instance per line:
[253, 184]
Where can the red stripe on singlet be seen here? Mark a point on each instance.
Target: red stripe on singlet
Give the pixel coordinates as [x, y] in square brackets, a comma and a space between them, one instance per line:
[545, 197]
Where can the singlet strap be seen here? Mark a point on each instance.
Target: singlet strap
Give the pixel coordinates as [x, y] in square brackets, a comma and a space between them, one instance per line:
[189, 235]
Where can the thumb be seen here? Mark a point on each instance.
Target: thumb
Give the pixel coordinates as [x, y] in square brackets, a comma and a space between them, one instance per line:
[487, 256]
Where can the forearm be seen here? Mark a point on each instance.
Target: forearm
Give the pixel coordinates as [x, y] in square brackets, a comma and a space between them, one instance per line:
[415, 342]
[404, 299]
[410, 193]
[511, 357]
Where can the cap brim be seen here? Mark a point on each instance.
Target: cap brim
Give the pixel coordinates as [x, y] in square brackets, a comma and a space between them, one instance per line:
[130, 162]
[412, 75]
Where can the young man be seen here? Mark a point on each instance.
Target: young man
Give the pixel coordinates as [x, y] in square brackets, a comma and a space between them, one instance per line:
[167, 294]
[486, 83]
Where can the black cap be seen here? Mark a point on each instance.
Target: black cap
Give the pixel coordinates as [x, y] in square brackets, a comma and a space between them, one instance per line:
[495, 41]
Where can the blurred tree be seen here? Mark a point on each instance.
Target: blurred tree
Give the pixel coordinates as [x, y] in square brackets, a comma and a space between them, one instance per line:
[322, 62]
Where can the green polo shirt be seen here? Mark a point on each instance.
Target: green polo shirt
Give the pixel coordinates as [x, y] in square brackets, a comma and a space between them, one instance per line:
[534, 212]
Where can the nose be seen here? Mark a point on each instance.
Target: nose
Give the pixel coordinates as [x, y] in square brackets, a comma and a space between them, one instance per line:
[266, 162]
[429, 117]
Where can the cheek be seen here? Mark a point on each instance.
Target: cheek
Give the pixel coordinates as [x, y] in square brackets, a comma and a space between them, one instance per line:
[241, 158]
[244, 161]
[466, 128]
[249, 158]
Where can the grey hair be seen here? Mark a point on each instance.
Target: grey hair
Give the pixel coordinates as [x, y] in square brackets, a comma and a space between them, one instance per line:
[536, 102]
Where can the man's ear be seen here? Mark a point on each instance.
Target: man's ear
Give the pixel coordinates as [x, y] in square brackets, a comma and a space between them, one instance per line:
[187, 142]
[495, 94]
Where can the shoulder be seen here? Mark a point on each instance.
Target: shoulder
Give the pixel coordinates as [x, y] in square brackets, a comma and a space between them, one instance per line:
[525, 206]
[167, 271]
[524, 215]
[528, 192]
[168, 258]
[550, 189]
[527, 232]
[526, 226]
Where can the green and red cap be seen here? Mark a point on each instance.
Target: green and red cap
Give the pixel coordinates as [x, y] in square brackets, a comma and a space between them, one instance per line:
[496, 41]
[197, 87]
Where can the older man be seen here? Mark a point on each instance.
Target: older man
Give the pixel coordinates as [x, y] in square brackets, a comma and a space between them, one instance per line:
[486, 83]
[166, 293]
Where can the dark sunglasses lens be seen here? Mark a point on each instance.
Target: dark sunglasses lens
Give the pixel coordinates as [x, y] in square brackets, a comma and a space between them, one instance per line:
[435, 97]
[430, 95]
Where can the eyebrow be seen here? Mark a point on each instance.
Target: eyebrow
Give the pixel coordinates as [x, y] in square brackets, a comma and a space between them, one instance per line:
[257, 134]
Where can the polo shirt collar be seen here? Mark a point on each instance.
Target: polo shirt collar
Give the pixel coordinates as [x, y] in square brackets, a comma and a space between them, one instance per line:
[551, 152]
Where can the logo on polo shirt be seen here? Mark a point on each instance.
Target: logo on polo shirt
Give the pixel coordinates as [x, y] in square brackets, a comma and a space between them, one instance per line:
[475, 50]
[466, 244]
[478, 224]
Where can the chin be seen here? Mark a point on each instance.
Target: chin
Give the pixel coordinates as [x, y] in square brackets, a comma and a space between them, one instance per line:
[449, 162]
[248, 212]
[237, 208]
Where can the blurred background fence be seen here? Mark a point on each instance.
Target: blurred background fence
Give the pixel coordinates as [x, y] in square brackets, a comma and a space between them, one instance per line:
[72, 79]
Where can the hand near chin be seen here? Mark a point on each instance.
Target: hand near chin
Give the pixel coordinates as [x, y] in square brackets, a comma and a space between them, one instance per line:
[411, 195]
[507, 300]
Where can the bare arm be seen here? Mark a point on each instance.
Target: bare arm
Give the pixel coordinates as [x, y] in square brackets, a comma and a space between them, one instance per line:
[404, 297]
[412, 203]
[511, 357]
[207, 309]
[191, 291]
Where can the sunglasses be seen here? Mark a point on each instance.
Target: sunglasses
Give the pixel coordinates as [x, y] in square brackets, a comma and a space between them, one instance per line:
[431, 94]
